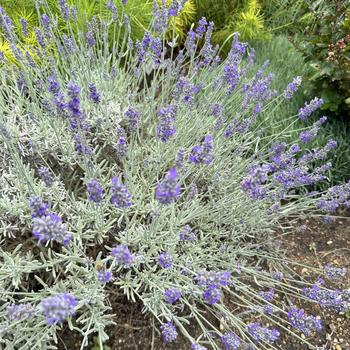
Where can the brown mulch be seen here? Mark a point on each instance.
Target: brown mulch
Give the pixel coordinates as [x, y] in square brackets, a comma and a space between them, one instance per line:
[320, 244]
[317, 245]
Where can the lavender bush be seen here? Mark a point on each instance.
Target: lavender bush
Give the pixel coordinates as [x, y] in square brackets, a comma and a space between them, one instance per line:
[139, 169]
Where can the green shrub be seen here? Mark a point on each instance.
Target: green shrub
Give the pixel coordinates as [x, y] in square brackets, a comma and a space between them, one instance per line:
[326, 47]
[285, 16]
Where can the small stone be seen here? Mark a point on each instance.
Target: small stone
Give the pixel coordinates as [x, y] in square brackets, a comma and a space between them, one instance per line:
[338, 347]
[302, 336]
[329, 242]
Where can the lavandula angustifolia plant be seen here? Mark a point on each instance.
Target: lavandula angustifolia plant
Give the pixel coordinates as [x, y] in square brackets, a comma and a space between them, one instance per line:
[191, 230]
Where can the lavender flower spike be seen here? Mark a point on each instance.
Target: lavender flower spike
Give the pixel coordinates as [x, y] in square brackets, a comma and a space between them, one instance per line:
[121, 197]
[64, 9]
[38, 207]
[46, 176]
[58, 308]
[197, 347]
[334, 272]
[212, 294]
[122, 255]
[95, 191]
[20, 312]
[168, 191]
[203, 153]
[303, 322]
[133, 118]
[94, 94]
[165, 260]
[104, 276]
[172, 295]
[165, 127]
[230, 341]
[169, 332]
[50, 228]
[292, 88]
[263, 334]
[309, 108]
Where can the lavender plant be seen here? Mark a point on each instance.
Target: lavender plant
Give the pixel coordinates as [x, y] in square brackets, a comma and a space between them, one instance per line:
[136, 170]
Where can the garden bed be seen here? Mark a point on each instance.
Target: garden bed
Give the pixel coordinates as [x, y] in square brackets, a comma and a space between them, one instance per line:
[317, 245]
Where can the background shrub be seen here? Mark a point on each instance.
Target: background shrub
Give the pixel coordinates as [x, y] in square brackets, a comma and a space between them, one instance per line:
[325, 44]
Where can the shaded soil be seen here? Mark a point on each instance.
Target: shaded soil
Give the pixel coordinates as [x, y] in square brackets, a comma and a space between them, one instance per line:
[316, 245]
[320, 244]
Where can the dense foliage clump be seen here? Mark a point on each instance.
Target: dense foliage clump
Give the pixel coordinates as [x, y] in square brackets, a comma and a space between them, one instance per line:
[140, 169]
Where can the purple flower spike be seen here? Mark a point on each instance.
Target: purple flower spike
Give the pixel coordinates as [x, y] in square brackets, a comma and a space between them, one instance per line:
[211, 278]
[203, 153]
[122, 255]
[94, 95]
[38, 207]
[198, 347]
[165, 260]
[212, 294]
[64, 9]
[90, 38]
[168, 191]
[24, 25]
[95, 191]
[50, 228]
[309, 135]
[180, 159]
[263, 334]
[73, 90]
[202, 27]
[169, 332]
[133, 118]
[121, 197]
[309, 108]
[269, 295]
[336, 300]
[104, 276]
[111, 7]
[186, 234]
[172, 295]
[292, 88]
[303, 322]
[334, 272]
[58, 308]
[20, 312]
[230, 341]
[165, 127]
[46, 176]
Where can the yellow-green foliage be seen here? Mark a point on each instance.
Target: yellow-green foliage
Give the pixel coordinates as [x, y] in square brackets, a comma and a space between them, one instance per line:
[180, 24]
[6, 49]
[248, 22]
[139, 12]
